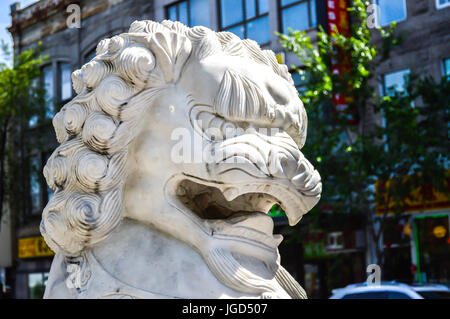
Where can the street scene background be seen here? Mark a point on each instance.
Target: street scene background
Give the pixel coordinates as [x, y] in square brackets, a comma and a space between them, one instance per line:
[373, 77]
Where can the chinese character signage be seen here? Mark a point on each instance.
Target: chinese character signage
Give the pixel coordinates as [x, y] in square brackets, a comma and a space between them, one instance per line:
[32, 247]
[423, 198]
[337, 15]
[338, 21]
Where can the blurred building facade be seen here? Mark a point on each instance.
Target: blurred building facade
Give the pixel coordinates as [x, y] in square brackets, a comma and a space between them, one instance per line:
[416, 243]
[341, 251]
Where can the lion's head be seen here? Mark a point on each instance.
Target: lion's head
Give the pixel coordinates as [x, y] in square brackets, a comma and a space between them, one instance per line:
[193, 132]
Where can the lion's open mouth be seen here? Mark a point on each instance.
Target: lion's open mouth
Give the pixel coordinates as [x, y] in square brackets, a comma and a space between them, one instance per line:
[231, 196]
[232, 212]
[209, 202]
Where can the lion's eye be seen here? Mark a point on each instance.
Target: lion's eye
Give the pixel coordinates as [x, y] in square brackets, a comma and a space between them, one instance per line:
[213, 127]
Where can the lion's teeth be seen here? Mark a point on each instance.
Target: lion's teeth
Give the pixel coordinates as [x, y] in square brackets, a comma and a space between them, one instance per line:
[230, 193]
[257, 221]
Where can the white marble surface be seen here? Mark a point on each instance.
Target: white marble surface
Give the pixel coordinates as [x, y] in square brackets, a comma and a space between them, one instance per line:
[178, 143]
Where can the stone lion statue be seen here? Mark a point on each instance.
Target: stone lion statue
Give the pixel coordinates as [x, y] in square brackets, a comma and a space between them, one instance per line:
[178, 143]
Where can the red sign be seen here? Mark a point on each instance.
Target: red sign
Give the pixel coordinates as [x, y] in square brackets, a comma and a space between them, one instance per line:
[338, 17]
[338, 21]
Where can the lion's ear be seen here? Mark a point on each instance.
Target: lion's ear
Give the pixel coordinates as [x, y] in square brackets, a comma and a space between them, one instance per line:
[171, 51]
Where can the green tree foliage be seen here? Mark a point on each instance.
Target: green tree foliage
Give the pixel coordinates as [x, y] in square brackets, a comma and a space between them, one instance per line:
[412, 140]
[21, 99]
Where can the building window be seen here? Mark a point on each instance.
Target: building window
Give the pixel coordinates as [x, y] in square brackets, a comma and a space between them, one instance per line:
[36, 285]
[190, 12]
[47, 79]
[40, 194]
[246, 18]
[49, 193]
[65, 81]
[390, 11]
[90, 55]
[446, 68]
[179, 12]
[63, 85]
[395, 83]
[300, 79]
[442, 3]
[35, 186]
[298, 15]
[33, 121]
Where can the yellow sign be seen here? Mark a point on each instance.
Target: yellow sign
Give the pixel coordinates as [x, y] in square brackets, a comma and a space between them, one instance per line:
[33, 247]
[439, 231]
[424, 198]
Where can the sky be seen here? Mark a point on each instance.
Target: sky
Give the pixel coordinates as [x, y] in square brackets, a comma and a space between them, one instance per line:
[5, 21]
